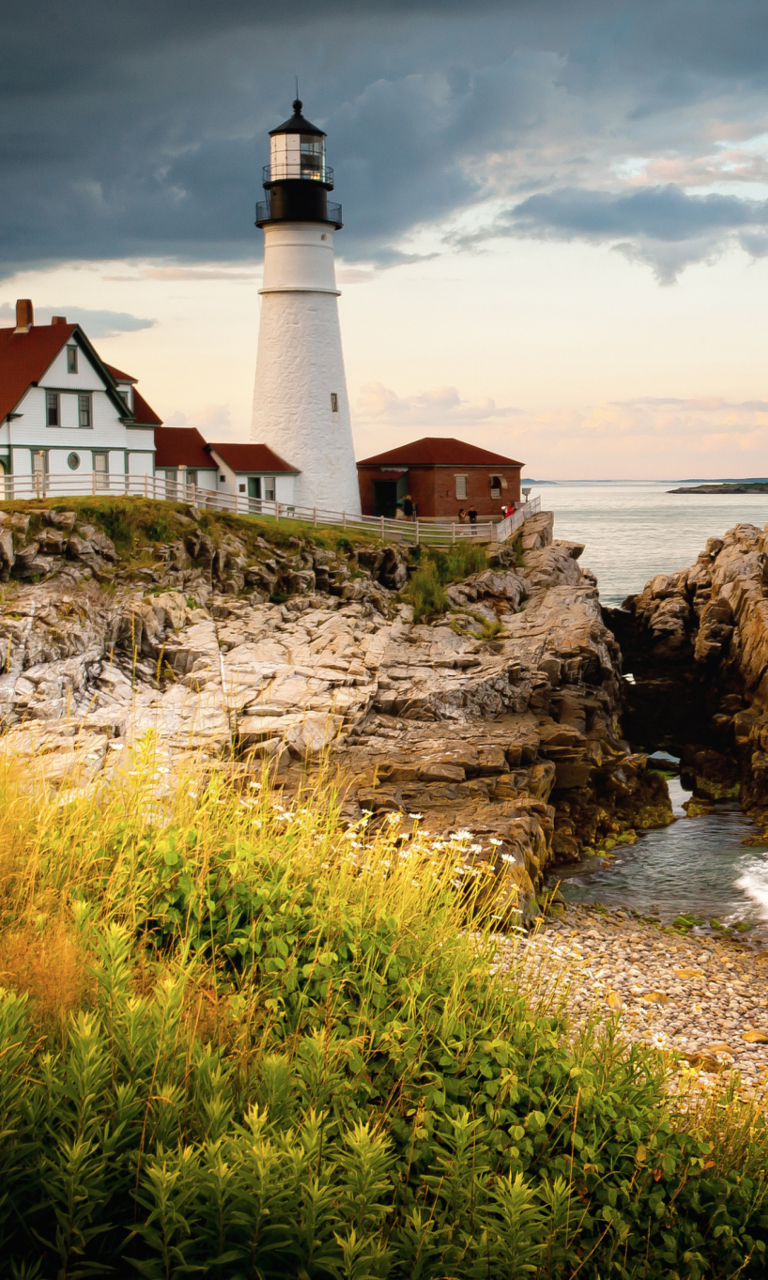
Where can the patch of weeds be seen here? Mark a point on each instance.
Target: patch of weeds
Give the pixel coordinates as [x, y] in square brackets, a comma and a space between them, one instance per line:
[426, 593]
[488, 629]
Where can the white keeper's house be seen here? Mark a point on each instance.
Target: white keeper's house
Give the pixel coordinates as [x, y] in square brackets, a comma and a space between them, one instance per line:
[67, 416]
[63, 410]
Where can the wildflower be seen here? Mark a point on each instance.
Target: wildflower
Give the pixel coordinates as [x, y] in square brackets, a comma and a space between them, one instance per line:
[493, 840]
[416, 815]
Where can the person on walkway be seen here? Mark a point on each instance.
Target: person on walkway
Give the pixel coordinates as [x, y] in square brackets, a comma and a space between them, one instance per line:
[408, 506]
[399, 513]
[462, 515]
[472, 515]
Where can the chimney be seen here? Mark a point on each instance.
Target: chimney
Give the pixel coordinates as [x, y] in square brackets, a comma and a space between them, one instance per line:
[25, 315]
[58, 319]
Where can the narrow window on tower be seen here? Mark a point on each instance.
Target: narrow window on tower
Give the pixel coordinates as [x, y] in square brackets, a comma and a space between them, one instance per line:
[334, 402]
[71, 359]
[52, 417]
[84, 405]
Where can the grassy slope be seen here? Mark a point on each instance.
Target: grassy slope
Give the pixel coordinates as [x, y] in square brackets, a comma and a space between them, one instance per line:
[243, 1040]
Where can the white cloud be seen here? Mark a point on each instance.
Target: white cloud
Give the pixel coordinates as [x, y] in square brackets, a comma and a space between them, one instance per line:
[441, 407]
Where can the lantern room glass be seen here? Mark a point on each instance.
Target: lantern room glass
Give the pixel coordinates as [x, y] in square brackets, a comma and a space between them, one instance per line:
[312, 151]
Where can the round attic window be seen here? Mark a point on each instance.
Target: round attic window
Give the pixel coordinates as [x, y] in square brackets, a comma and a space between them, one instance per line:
[73, 461]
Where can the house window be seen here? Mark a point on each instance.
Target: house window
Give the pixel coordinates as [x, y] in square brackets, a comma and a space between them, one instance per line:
[52, 412]
[73, 461]
[40, 462]
[241, 488]
[269, 488]
[192, 478]
[100, 463]
[496, 486]
[334, 402]
[71, 359]
[461, 487]
[85, 409]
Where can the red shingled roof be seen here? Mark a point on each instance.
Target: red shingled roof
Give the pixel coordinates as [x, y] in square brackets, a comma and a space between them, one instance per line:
[118, 374]
[142, 412]
[24, 358]
[439, 451]
[182, 447]
[251, 457]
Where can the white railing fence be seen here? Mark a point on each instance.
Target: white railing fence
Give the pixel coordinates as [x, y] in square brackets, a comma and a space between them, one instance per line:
[415, 532]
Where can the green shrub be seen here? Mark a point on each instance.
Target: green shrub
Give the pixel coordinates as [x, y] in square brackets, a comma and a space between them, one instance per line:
[426, 592]
[436, 568]
[295, 1060]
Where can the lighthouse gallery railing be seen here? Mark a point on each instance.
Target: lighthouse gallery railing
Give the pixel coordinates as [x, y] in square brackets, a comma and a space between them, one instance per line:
[413, 532]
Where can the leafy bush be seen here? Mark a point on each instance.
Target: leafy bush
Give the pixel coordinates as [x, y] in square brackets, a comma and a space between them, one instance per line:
[426, 592]
[435, 569]
[295, 1060]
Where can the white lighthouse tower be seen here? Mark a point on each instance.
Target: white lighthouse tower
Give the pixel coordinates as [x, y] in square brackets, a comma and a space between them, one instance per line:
[300, 405]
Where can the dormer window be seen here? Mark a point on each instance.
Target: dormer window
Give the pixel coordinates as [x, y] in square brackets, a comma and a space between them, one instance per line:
[126, 391]
[71, 359]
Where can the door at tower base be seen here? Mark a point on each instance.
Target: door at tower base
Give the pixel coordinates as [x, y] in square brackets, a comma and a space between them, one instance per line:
[300, 407]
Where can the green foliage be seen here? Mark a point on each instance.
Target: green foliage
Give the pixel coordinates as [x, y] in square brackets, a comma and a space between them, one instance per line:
[436, 568]
[426, 592]
[296, 1061]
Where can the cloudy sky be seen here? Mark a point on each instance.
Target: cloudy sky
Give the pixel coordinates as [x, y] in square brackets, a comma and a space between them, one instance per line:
[556, 212]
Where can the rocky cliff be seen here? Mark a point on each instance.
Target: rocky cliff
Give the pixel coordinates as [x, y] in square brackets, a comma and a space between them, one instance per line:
[696, 643]
[240, 645]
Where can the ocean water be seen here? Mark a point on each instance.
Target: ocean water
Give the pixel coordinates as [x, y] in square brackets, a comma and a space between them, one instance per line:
[635, 529]
[698, 866]
[631, 531]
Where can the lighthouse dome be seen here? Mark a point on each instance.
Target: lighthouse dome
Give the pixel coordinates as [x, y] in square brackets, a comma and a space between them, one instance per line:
[297, 123]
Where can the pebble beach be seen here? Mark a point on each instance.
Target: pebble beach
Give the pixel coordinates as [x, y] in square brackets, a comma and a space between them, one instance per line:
[703, 998]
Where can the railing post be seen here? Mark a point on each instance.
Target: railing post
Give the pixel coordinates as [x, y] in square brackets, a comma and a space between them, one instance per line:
[93, 482]
[417, 532]
[453, 535]
[343, 519]
[314, 517]
[382, 528]
[146, 485]
[277, 512]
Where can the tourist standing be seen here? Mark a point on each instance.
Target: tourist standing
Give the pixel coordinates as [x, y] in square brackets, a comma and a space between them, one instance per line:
[408, 506]
[472, 516]
[462, 515]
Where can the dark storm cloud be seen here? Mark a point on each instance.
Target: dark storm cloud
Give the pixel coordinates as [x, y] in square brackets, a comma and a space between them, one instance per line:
[661, 225]
[138, 129]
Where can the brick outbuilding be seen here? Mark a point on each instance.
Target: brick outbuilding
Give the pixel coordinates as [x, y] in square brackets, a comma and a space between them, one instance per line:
[441, 475]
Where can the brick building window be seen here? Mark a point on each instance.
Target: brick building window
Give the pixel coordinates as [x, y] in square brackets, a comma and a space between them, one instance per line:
[496, 485]
[461, 487]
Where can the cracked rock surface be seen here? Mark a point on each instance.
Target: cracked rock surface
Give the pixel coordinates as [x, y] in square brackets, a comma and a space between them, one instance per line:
[507, 731]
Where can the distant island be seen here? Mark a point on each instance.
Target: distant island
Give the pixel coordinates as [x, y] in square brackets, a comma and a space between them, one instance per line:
[735, 486]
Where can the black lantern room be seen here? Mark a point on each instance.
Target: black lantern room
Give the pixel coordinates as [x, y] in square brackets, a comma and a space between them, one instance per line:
[297, 179]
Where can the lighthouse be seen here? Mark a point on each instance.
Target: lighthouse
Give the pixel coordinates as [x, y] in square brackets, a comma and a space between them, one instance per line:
[300, 404]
